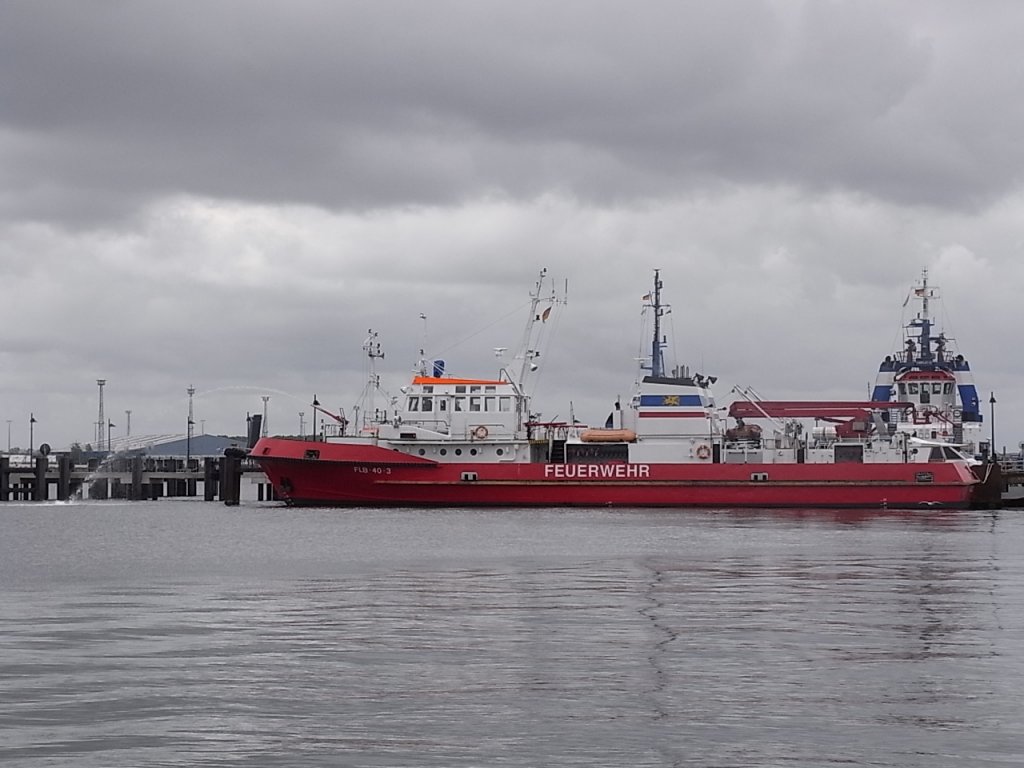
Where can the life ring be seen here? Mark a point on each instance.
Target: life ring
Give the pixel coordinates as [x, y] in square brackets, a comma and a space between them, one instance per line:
[703, 452]
[480, 433]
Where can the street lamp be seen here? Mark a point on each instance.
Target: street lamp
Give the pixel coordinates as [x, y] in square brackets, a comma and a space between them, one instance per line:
[191, 423]
[31, 432]
[992, 422]
[110, 426]
[9, 435]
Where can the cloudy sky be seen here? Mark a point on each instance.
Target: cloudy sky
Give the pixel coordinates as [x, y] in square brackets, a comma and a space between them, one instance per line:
[230, 194]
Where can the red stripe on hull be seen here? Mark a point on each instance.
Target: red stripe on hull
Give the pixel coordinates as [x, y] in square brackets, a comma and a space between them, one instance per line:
[365, 475]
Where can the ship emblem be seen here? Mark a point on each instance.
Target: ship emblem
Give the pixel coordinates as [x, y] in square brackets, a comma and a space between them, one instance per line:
[670, 400]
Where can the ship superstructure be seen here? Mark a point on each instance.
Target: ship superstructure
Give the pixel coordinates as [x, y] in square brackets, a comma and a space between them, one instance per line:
[929, 373]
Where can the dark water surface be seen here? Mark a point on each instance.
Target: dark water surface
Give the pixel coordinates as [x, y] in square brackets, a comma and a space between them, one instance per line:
[184, 633]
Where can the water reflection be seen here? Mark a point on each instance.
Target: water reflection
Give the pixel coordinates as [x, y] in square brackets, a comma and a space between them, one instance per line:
[585, 638]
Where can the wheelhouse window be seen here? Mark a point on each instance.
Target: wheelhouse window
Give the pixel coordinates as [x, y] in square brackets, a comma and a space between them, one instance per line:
[414, 404]
[489, 404]
[428, 404]
[460, 403]
[505, 404]
[474, 403]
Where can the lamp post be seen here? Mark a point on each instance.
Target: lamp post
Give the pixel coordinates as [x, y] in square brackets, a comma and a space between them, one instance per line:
[191, 423]
[31, 433]
[266, 398]
[992, 421]
[110, 426]
[9, 435]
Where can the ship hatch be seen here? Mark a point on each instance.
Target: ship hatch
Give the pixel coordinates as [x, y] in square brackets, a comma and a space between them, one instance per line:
[849, 454]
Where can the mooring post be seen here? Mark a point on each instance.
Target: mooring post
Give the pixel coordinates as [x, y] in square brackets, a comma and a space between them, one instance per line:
[5, 478]
[137, 478]
[64, 465]
[209, 478]
[231, 480]
[41, 490]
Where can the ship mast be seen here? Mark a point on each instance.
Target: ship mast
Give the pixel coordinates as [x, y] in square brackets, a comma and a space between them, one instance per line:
[923, 322]
[373, 353]
[528, 347]
[657, 342]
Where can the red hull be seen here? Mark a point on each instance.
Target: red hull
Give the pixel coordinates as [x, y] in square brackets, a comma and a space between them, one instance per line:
[331, 474]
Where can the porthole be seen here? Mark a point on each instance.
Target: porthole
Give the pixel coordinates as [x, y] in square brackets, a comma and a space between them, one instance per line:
[444, 451]
[472, 451]
[500, 451]
[458, 451]
[421, 452]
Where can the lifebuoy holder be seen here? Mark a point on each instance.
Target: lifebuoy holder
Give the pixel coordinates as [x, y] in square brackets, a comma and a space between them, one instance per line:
[480, 433]
[703, 452]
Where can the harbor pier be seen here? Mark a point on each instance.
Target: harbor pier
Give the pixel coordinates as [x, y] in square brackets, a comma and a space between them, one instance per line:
[133, 478]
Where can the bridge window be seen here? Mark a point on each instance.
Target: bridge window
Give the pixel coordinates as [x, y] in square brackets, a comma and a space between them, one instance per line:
[505, 404]
[442, 403]
[428, 404]
[936, 388]
[903, 388]
[947, 388]
[473, 389]
[490, 389]
[414, 403]
[489, 404]
[460, 403]
[474, 403]
[912, 388]
[460, 389]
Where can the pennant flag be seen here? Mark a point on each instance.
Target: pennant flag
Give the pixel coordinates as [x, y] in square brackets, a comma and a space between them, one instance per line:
[547, 313]
[647, 297]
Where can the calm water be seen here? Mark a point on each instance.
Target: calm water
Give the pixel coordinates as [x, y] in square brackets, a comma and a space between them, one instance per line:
[184, 633]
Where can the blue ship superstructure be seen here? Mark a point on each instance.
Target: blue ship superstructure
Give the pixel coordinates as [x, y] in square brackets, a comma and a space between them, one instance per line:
[931, 377]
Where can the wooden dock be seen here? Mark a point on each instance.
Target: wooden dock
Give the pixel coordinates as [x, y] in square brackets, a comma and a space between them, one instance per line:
[135, 478]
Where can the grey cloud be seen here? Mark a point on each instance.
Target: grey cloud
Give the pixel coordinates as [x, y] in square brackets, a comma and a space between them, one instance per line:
[362, 105]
